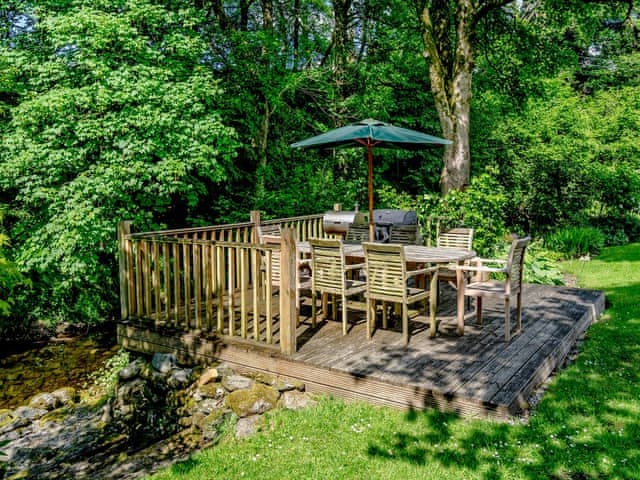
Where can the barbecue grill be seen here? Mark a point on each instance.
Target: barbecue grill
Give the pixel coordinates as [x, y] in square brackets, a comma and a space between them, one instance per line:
[339, 221]
[384, 219]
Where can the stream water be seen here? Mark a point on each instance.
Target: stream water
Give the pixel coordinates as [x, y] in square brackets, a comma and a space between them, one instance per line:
[44, 367]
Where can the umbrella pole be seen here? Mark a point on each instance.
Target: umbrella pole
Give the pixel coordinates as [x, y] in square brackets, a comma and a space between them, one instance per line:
[370, 188]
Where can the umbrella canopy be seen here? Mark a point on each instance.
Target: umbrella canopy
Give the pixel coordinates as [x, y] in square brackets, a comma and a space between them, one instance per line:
[371, 133]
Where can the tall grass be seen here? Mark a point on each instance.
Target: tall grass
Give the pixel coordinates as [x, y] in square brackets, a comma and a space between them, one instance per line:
[575, 242]
[587, 425]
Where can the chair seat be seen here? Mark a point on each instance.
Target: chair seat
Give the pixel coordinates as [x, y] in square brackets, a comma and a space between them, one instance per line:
[480, 289]
[355, 286]
[512, 285]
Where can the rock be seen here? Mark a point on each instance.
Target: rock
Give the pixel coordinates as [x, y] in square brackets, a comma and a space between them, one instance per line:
[179, 378]
[209, 375]
[278, 383]
[65, 395]
[210, 423]
[106, 413]
[294, 400]
[210, 390]
[236, 382]
[29, 413]
[131, 371]
[255, 400]
[208, 405]
[247, 426]
[6, 417]
[163, 362]
[288, 385]
[44, 401]
[225, 370]
[263, 377]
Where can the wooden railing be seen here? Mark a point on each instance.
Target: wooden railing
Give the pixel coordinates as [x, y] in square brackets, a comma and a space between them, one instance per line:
[214, 279]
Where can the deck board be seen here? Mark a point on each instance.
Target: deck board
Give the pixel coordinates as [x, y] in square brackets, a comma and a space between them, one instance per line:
[477, 374]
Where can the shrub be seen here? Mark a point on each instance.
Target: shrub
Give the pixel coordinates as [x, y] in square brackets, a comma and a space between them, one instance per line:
[104, 380]
[573, 242]
[481, 207]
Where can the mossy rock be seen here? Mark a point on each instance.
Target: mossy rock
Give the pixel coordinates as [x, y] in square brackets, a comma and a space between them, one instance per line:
[56, 415]
[6, 417]
[66, 395]
[211, 390]
[253, 401]
[263, 377]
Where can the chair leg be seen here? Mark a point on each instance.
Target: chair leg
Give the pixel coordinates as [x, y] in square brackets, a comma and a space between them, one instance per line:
[344, 314]
[478, 310]
[325, 306]
[507, 320]
[314, 297]
[385, 315]
[334, 308]
[371, 316]
[405, 323]
[518, 312]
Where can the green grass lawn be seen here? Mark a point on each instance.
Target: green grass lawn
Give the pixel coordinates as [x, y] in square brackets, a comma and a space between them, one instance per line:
[586, 426]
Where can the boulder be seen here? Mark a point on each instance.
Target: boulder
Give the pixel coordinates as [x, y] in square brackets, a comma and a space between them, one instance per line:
[209, 390]
[131, 371]
[44, 401]
[65, 395]
[253, 401]
[179, 378]
[247, 426]
[295, 400]
[236, 382]
[163, 362]
[209, 375]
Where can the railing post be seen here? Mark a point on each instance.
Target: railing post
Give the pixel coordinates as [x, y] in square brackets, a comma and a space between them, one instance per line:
[255, 219]
[288, 280]
[124, 246]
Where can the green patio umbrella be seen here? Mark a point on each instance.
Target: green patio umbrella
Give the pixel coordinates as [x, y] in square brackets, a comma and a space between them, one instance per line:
[372, 133]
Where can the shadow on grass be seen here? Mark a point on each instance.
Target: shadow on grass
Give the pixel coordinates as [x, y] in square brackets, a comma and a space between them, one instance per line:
[587, 426]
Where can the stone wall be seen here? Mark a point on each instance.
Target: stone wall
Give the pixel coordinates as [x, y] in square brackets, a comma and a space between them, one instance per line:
[159, 413]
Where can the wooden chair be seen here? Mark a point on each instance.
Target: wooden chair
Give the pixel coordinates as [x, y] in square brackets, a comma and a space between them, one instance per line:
[405, 234]
[273, 268]
[357, 234]
[454, 238]
[273, 230]
[330, 276]
[511, 268]
[387, 281]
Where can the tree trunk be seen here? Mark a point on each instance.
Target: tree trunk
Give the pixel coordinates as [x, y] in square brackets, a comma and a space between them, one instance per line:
[448, 28]
[262, 142]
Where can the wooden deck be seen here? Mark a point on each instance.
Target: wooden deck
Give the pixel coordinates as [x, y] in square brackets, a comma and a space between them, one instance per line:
[477, 374]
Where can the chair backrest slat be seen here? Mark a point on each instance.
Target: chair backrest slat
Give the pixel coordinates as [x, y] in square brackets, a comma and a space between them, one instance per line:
[515, 262]
[327, 260]
[386, 270]
[405, 234]
[456, 238]
[357, 234]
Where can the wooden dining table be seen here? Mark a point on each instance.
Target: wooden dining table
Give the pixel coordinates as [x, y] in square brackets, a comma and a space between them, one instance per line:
[420, 255]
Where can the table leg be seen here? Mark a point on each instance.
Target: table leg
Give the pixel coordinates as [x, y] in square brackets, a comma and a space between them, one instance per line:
[433, 305]
[460, 299]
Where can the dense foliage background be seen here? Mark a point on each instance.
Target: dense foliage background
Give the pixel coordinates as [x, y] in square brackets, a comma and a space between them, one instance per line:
[181, 113]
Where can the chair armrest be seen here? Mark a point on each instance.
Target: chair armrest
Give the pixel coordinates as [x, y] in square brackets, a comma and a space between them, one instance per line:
[479, 260]
[422, 271]
[469, 268]
[355, 266]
